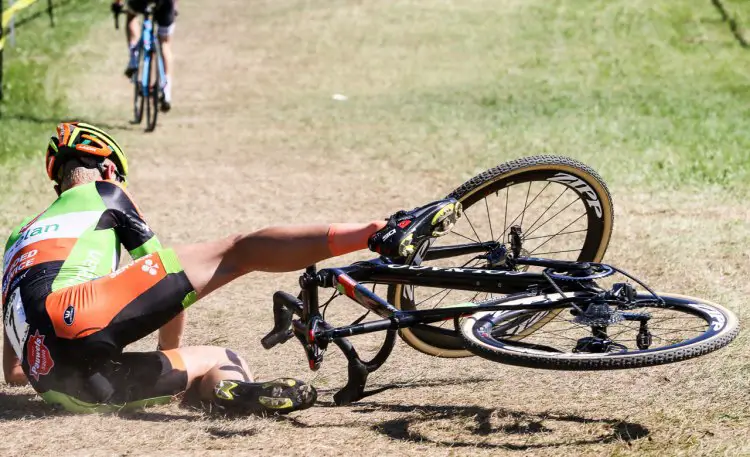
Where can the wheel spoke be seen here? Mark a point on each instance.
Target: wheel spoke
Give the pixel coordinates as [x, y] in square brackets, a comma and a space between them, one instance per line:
[489, 219]
[529, 232]
[528, 191]
[527, 238]
[553, 237]
[525, 208]
[466, 216]
[463, 236]
[565, 189]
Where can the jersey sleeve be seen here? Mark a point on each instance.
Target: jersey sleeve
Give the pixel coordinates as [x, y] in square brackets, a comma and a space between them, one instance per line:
[125, 218]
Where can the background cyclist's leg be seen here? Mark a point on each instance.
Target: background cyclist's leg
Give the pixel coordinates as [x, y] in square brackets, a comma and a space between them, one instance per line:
[133, 35]
[165, 16]
[212, 264]
[166, 52]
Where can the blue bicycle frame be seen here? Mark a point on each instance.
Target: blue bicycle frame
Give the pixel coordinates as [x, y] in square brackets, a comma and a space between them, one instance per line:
[146, 44]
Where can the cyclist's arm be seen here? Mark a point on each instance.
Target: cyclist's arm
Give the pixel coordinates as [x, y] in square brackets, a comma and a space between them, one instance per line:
[126, 219]
[11, 365]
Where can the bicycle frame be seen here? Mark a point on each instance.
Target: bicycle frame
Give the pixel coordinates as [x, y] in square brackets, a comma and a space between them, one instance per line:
[147, 42]
[315, 334]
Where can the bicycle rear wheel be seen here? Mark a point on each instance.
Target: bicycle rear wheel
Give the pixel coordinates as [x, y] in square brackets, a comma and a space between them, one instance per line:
[564, 209]
[680, 328]
[154, 90]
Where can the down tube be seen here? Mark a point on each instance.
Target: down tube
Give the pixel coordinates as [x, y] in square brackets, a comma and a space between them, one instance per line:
[362, 295]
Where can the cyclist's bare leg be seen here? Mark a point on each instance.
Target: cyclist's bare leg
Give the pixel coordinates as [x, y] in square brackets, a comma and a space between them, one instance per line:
[170, 335]
[213, 264]
[207, 365]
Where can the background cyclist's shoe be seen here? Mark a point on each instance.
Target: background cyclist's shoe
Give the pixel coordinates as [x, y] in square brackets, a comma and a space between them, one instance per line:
[132, 67]
[166, 97]
[280, 396]
[405, 230]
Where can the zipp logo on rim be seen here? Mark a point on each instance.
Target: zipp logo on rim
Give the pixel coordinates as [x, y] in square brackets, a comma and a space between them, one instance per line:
[582, 188]
[718, 321]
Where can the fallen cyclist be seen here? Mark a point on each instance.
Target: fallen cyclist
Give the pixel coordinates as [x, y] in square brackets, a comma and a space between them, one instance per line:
[68, 315]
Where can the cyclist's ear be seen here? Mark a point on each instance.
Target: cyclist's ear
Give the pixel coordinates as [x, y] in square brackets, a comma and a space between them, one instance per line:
[109, 171]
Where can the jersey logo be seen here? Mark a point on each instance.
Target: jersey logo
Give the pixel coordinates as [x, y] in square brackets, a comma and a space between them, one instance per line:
[150, 267]
[38, 356]
[31, 222]
[69, 315]
[69, 225]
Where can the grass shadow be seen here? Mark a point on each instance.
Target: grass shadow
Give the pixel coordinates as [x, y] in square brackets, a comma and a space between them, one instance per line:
[41, 12]
[23, 406]
[52, 121]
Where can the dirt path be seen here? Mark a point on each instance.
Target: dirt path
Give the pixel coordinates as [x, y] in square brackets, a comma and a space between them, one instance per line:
[244, 148]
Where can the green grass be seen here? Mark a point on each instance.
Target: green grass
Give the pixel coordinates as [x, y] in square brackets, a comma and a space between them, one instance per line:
[37, 71]
[649, 92]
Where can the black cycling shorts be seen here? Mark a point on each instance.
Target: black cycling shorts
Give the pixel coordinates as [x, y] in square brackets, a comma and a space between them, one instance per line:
[164, 12]
[129, 380]
[77, 360]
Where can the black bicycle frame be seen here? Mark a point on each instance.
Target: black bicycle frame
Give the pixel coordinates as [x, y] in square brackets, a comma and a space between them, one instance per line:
[315, 334]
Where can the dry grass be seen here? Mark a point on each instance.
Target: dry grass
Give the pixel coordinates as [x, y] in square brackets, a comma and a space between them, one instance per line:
[255, 139]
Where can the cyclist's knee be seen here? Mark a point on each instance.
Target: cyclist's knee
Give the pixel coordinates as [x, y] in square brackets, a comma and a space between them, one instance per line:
[199, 360]
[207, 365]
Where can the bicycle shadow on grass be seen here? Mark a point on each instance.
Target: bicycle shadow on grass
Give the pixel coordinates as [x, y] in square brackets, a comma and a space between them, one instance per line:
[485, 427]
[488, 427]
[501, 428]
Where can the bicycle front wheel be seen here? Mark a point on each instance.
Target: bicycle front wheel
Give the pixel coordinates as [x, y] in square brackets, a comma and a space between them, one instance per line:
[154, 90]
[649, 333]
[564, 209]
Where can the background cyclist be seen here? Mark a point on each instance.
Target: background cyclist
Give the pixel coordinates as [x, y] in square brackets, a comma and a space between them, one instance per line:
[164, 16]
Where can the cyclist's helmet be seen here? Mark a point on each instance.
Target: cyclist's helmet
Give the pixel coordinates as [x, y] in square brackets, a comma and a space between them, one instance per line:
[81, 140]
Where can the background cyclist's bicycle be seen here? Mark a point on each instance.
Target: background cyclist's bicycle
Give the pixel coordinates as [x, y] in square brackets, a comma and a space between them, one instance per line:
[148, 78]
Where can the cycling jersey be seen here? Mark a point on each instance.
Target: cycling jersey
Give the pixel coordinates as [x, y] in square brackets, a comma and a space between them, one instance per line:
[68, 314]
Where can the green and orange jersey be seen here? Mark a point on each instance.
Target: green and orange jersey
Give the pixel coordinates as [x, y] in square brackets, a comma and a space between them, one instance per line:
[75, 240]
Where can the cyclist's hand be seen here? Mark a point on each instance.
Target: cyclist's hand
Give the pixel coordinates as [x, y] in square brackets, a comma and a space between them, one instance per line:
[117, 7]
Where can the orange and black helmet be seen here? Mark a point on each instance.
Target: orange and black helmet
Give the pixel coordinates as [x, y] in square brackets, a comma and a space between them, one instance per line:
[78, 139]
